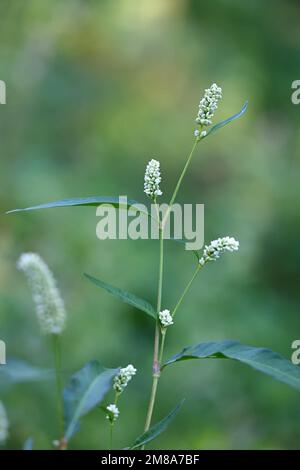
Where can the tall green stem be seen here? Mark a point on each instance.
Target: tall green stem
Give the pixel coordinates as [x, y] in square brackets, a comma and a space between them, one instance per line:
[158, 351]
[57, 363]
[156, 367]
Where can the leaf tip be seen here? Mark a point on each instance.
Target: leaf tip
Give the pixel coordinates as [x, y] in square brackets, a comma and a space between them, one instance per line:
[11, 211]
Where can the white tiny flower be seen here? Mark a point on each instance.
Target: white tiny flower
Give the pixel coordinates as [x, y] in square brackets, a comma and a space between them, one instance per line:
[4, 425]
[197, 133]
[208, 105]
[165, 318]
[49, 304]
[152, 179]
[123, 378]
[213, 251]
[114, 412]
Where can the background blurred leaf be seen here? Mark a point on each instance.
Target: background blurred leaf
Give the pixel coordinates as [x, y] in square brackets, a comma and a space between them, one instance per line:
[18, 371]
[28, 444]
[85, 390]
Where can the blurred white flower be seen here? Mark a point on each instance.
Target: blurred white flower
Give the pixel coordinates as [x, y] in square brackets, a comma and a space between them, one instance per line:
[114, 412]
[165, 318]
[152, 179]
[123, 378]
[4, 425]
[49, 304]
[216, 247]
[208, 105]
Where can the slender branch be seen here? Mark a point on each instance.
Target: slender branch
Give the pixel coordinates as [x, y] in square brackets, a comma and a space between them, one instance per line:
[164, 332]
[187, 288]
[111, 424]
[161, 268]
[162, 346]
[111, 427]
[179, 182]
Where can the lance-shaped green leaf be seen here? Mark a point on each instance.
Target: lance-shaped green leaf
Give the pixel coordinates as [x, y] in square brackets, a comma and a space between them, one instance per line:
[226, 121]
[156, 429]
[85, 390]
[262, 359]
[119, 203]
[126, 297]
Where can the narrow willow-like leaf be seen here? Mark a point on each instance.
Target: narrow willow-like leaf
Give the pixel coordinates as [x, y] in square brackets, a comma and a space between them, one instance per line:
[18, 371]
[82, 201]
[264, 360]
[126, 297]
[227, 121]
[85, 390]
[28, 444]
[156, 429]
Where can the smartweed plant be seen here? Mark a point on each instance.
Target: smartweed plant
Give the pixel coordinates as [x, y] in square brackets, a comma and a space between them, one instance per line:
[88, 387]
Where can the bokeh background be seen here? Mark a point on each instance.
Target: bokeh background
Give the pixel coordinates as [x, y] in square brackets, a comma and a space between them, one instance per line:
[94, 90]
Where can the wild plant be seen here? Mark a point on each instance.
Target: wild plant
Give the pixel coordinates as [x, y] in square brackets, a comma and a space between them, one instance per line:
[88, 387]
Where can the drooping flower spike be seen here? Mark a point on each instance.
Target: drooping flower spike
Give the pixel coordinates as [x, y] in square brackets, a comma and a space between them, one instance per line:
[123, 378]
[216, 247]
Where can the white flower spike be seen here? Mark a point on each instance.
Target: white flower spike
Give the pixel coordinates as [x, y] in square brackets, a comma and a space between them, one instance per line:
[114, 413]
[165, 318]
[123, 378]
[3, 424]
[213, 251]
[49, 304]
[207, 107]
[152, 179]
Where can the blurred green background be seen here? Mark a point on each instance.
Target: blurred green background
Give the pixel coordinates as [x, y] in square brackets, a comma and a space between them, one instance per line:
[94, 90]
